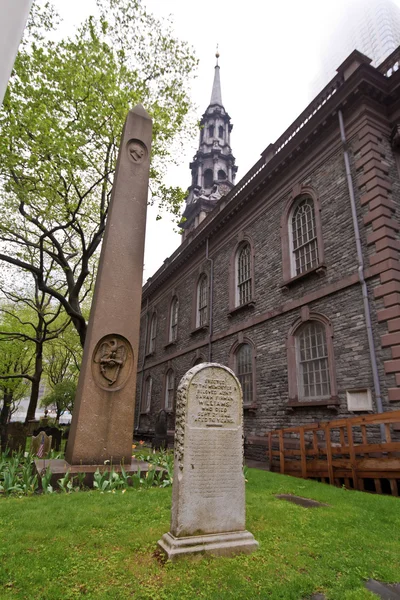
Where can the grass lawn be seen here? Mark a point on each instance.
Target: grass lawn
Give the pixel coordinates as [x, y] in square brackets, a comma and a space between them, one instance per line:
[102, 546]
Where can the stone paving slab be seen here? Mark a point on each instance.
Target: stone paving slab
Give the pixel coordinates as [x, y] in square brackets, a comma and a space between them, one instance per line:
[385, 591]
[305, 502]
[59, 468]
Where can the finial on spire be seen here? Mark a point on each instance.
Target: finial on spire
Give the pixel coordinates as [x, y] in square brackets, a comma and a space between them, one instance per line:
[217, 56]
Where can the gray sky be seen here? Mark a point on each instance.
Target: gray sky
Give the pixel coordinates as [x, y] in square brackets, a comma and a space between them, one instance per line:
[269, 56]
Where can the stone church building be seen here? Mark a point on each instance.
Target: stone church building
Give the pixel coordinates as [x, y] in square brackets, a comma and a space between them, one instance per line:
[292, 275]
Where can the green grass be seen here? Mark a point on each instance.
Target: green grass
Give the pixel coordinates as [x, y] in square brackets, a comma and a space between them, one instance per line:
[102, 546]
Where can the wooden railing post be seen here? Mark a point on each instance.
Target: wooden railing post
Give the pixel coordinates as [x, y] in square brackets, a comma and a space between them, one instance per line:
[327, 432]
[303, 454]
[281, 452]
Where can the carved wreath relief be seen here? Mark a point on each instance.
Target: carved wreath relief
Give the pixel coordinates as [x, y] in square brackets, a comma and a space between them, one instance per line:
[137, 151]
[112, 362]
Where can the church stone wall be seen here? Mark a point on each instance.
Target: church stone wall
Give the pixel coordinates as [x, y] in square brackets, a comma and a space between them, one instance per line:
[335, 293]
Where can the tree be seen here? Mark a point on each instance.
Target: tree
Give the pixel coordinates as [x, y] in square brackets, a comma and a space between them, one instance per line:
[33, 318]
[15, 358]
[61, 397]
[60, 127]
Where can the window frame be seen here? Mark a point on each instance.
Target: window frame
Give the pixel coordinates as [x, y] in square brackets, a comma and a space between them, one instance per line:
[233, 363]
[145, 405]
[167, 389]
[151, 346]
[173, 320]
[309, 244]
[198, 322]
[234, 297]
[298, 194]
[295, 397]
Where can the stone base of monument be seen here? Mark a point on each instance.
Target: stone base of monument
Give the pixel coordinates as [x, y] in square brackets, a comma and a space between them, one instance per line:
[59, 468]
[218, 544]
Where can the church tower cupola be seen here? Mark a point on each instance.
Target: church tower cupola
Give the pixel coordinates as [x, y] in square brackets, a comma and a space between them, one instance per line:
[213, 167]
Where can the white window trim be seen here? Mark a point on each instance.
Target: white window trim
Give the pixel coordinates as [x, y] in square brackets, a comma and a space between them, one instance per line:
[292, 256]
[198, 299]
[173, 326]
[237, 291]
[169, 373]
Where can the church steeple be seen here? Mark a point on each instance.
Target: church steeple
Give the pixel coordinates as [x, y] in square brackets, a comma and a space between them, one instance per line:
[213, 167]
[216, 90]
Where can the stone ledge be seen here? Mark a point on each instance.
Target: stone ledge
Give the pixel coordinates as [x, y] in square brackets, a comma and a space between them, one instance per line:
[218, 544]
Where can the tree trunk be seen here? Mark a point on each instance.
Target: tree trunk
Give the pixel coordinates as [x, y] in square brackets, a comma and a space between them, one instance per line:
[5, 414]
[79, 323]
[30, 415]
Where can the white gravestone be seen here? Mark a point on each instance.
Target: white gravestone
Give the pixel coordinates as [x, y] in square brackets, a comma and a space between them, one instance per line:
[208, 495]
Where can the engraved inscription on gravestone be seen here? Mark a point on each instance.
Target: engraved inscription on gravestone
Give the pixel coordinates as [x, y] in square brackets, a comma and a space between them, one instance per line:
[208, 499]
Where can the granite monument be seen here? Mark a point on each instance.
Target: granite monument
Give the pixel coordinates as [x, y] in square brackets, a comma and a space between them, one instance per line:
[102, 422]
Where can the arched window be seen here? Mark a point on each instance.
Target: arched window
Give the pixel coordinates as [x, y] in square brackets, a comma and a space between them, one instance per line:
[202, 301]
[198, 361]
[146, 398]
[311, 364]
[244, 371]
[173, 320]
[221, 175]
[208, 178]
[243, 275]
[169, 390]
[303, 236]
[244, 367]
[221, 132]
[153, 333]
[211, 131]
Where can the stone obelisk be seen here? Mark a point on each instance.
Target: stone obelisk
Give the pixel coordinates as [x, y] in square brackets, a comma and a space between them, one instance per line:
[102, 422]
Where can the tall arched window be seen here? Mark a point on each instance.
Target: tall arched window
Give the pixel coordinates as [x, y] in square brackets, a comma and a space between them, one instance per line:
[312, 361]
[173, 320]
[169, 390]
[202, 301]
[243, 275]
[244, 371]
[146, 398]
[221, 175]
[303, 236]
[153, 333]
[220, 132]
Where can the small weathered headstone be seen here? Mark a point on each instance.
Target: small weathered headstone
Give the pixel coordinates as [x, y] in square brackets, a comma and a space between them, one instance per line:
[160, 439]
[16, 437]
[208, 496]
[41, 444]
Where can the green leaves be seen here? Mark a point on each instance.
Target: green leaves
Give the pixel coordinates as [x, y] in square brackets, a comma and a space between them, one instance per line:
[60, 129]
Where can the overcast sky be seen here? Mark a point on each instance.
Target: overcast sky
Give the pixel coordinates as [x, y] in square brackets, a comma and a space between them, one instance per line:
[269, 56]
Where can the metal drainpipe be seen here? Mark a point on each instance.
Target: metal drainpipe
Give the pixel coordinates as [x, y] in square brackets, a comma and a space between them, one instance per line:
[143, 361]
[360, 260]
[210, 319]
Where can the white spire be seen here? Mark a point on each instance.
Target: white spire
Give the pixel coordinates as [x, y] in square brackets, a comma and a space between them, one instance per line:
[216, 90]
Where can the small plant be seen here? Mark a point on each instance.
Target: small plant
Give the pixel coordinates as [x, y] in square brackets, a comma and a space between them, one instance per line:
[101, 481]
[46, 478]
[29, 478]
[65, 483]
[163, 462]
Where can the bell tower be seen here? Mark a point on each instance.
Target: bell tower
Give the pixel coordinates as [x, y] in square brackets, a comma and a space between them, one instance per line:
[213, 166]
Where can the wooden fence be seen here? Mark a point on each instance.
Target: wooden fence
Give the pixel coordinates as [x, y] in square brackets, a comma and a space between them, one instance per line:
[349, 452]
